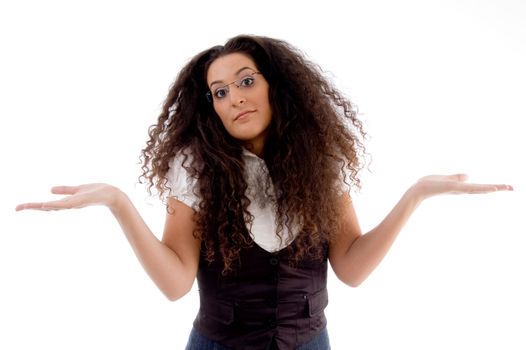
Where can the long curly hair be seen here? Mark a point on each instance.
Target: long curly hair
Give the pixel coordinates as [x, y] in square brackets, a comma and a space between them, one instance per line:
[313, 140]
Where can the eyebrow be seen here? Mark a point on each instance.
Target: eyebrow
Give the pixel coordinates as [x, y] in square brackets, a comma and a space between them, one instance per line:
[237, 72]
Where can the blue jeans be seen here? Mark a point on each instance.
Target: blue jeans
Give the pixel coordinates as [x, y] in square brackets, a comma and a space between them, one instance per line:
[197, 341]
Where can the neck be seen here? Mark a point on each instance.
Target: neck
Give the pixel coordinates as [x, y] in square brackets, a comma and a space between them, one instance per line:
[256, 147]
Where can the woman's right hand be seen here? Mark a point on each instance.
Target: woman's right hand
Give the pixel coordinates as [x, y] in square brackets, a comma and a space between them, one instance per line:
[78, 197]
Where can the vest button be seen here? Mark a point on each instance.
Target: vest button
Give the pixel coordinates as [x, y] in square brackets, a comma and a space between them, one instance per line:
[273, 261]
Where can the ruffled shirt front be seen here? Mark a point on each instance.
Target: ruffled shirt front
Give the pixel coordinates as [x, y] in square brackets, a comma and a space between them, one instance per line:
[260, 192]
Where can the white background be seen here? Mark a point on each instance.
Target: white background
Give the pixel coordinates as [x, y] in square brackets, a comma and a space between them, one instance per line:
[440, 86]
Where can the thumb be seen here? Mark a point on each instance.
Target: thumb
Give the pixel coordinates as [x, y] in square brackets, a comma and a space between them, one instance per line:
[459, 177]
[65, 189]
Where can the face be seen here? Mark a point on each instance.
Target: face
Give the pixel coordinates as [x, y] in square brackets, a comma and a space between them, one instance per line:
[240, 97]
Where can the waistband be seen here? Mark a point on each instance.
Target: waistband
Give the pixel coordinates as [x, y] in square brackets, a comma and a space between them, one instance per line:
[226, 311]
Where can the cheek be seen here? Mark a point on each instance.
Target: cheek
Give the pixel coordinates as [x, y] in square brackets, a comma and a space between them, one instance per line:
[265, 101]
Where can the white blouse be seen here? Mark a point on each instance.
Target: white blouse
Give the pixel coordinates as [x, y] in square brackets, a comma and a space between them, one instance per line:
[262, 202]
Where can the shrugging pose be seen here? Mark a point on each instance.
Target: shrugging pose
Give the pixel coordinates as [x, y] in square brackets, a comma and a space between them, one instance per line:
[255, 153]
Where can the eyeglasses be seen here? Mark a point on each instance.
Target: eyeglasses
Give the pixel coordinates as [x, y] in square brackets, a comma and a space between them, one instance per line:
[220, 93]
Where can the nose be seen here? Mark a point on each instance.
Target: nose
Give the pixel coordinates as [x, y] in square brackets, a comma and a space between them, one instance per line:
[237, 95]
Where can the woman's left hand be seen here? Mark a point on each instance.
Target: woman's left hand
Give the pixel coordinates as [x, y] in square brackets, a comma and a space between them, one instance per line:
[433, 185]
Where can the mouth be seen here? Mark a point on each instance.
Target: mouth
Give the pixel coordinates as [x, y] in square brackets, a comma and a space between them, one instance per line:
[242, 114]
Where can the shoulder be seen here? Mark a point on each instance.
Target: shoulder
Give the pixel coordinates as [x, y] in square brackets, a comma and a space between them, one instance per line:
[182, 185]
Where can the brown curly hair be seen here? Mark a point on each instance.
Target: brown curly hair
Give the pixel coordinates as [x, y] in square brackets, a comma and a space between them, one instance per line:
[314, 138]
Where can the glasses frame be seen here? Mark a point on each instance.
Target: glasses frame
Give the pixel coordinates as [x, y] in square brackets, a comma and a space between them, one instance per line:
[210, 97]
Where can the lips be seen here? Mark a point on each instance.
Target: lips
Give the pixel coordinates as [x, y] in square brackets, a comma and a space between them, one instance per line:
[241, 114]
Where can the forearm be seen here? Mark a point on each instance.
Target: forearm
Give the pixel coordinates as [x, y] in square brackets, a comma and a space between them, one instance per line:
[366, 252]
[160, 262]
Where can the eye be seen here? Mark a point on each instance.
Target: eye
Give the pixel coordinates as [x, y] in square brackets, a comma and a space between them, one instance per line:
[247, 81]
[220, 93]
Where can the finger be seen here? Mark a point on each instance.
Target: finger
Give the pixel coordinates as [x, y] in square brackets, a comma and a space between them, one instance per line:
[504, 187]
[64, 203]
[45, 206]
[65, 189]
[458, 177]
[453, 178]
[28, 206]
[25, 206]
[70, 202]
[486, 188]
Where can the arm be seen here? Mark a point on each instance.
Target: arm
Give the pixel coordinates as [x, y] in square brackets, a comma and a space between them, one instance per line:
[354, 256]
[171, 263]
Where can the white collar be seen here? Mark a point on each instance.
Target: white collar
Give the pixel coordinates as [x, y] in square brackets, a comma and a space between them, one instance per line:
[247, 153]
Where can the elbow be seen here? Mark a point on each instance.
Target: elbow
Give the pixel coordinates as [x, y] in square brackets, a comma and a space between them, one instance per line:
[351, 281]
[352, 275]
[172, 297]
[354, 284]
[174, 294]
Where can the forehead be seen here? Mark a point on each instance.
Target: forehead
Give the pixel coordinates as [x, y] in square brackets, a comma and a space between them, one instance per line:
[226, 67]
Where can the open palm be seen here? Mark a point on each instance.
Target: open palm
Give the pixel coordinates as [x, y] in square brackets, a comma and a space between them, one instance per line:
[77, 197]
[432, 185]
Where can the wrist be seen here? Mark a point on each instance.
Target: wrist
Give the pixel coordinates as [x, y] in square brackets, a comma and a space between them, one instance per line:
[415, 194]
[116, 199]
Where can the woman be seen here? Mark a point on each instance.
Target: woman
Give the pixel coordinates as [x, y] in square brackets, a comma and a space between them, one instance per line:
[255, 153]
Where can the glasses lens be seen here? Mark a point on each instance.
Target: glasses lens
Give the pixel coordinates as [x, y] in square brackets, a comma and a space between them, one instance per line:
[221, 92]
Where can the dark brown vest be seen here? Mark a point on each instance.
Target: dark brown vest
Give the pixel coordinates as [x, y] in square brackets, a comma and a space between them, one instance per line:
[265, 304]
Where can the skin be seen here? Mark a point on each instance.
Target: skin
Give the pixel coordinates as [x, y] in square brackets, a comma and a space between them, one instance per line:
[252, 127]
[172, 262]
